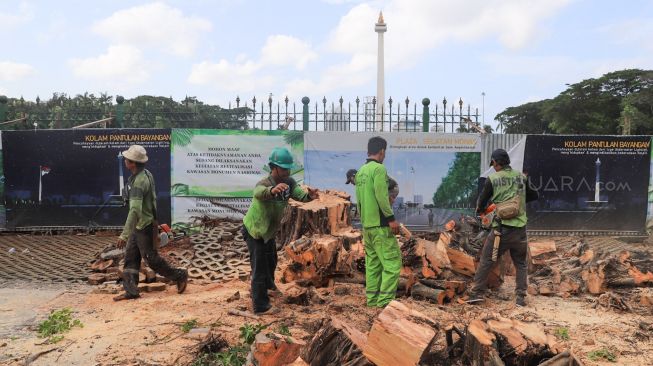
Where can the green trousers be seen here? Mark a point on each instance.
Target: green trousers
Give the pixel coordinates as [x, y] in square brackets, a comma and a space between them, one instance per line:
[382, 265]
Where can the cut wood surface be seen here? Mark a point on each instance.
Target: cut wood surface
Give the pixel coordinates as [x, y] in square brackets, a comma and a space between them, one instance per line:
[501, 340]
[540, 247]
[272, 349]
[399, 336]
[461, 262]
[336, 343]
[479, 346]
[327, 214]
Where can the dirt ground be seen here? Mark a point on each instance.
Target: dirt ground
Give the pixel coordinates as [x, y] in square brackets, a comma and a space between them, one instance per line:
[147, 331]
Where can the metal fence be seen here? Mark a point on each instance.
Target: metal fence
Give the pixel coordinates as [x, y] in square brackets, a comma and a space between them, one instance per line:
[268, 114]
[361, 115]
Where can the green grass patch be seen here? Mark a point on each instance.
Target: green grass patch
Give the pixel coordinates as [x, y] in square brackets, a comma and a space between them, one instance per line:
[602, 354]
[248, 332]
[57, 323]
[187, 326]
[562, 333]
[283, 330]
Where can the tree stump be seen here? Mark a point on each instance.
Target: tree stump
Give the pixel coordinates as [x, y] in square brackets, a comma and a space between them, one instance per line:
[336, 343]
[500, 341]
[327, 214]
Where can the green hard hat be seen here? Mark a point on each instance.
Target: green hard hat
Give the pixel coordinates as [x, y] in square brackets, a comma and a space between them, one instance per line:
[281, 157]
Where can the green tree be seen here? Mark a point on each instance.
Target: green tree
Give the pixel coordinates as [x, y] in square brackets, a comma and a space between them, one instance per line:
[526, 118]
[592, 106]
[458, 188]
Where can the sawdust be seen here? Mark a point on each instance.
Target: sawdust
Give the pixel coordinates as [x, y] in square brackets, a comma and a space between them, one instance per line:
[147, 330]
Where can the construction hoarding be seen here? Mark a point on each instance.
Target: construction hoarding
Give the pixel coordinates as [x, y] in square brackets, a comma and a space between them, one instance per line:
[75, 177]
[588, 182]
[437, 173]
[215, 171]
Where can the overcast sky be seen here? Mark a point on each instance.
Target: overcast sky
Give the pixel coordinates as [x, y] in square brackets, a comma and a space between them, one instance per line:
[513, 50]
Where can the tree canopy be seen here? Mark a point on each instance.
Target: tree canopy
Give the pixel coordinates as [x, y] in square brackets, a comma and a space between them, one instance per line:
[592, 106]
[64, 111]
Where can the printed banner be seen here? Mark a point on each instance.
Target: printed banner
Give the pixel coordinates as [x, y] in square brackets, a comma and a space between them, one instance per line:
[588, 182]
[3, 217]
[437, 173]
[75, 177]
[215, 171]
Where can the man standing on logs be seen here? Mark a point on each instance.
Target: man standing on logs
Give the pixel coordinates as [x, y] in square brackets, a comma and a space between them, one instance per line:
[382, 253]
[142, 229]
[262, 221]
[509, 190]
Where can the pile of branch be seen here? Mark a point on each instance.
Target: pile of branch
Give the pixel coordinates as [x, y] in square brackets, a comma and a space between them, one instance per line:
[585, 270]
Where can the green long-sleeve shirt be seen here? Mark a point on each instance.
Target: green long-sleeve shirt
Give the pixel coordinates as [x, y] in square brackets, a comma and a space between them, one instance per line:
[142, 202]
[372, 195]
[264, 215]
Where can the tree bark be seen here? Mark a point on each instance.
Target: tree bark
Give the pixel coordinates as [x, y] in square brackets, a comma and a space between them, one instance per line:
[336, 343]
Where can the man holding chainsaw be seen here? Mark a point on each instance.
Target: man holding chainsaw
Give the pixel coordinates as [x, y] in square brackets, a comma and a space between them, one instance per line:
[262, 222]
[509, 190]
[141, 230]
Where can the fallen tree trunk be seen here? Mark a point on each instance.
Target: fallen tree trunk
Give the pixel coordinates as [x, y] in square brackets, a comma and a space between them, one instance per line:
[399, 336]
[336, 343]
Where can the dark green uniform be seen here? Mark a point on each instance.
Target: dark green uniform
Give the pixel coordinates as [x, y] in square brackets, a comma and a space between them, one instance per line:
[501, 186]
[139, 234]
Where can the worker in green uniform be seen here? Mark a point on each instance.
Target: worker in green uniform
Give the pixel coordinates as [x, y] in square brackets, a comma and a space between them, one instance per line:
[262, 222]
[382, 253]
[141, 228]
[502, 186]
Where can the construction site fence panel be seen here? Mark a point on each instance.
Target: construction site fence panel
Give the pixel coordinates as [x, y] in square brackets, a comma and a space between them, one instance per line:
[73, 178]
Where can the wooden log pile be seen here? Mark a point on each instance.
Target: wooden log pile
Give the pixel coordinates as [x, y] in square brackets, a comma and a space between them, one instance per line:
[401, 335]
[321, 245]
[585, 270]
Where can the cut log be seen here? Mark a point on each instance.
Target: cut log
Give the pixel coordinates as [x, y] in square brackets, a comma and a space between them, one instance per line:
[457, 286]
[510, 341]
[336, 343]
[297, 295]
[399, 336]
[96, 278]
[327, 214]
[101, 265]
[311, 259]
[540, 247]
[565, 358]
[435, 253]
[421, 292]
[586, 257]
[479, 346]
[272, 349]
[461, 262]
